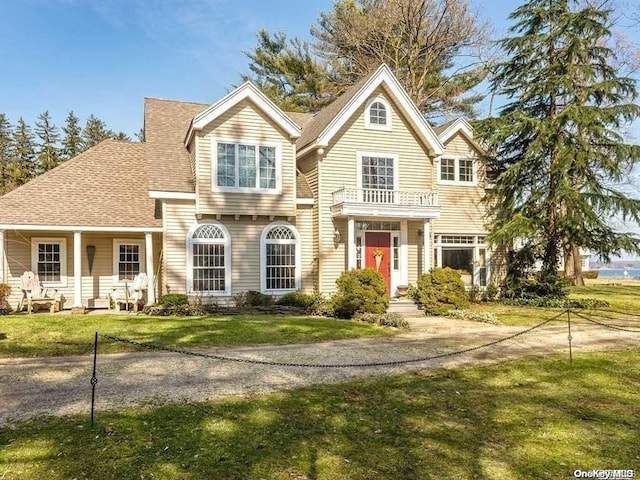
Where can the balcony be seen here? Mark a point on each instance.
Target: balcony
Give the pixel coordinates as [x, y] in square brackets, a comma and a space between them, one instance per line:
[386, 203]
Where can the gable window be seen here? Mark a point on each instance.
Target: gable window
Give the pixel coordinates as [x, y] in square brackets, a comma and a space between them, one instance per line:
[280, 256]
[456, 171]
[49, 260]
[378, 114]
[247, 167]
[128, 256]
[209, 269]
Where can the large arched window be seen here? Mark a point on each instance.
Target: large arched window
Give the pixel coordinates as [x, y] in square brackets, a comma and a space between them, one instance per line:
[280, 258]
[209, 259]
[378, 114]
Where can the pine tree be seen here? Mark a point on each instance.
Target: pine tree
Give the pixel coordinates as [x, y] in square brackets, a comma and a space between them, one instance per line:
[557, 143]
[72, 141]
[24, 155]
[49, 136]
[6, 152]
[94, 132]
[121, 137]
[140, 135]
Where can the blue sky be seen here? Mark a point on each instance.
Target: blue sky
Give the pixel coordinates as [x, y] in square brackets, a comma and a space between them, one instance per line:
[105, 56]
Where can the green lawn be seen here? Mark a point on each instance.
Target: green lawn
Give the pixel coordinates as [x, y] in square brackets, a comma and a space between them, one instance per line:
[54, 335]
[531, 419]
[624, 298]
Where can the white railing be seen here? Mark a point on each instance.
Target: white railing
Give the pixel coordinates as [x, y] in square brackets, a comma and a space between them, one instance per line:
[385, 197]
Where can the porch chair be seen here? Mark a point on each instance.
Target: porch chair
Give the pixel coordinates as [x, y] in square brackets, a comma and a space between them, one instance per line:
[129, 294]
[33, 293]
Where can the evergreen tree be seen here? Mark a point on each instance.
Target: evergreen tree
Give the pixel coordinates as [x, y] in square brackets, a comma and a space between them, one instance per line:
[6, 153]
[49, 136]
[72, 140]
[121, 137]
[557, 143]
[140, 135]
[94, 132]
[24, 155]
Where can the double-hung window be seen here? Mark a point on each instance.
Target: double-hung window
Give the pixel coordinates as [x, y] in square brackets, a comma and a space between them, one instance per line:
[378, 178]
[246, 167]
[209, 269]
[459, 171]
[128, 258]
[49, 260]
[280, 256]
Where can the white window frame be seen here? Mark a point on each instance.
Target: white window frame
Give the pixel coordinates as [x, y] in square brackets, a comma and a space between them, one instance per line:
[263, 259]
[456, 170]
[227, 260]
[35, 241]
[367, 115]
[392, 156]
[116, 258]
[479, 242]
[250, 143]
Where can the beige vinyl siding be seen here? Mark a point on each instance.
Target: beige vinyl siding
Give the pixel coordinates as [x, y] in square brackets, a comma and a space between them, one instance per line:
[98, 284]
[461, 208]
[245, 233]
[309, 166]
[339, 168]
[244, 122]
[304, 221]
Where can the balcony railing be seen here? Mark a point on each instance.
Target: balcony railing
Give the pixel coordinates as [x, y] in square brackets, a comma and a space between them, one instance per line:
[368, 196]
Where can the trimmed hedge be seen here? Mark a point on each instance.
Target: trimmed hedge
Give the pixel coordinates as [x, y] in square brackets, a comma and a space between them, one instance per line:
[441, 290]
[360, 291]
[548, 302]
[298, 299]
[383, 319]
[174, 299]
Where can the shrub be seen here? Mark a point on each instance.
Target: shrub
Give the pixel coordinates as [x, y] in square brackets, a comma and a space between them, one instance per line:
[591, 274]
[173, 299]
[384, 319]
[184, 310]
[484, 317]
[251, 298]
[490, 293]
[298, 299]
[5, 291]
[360, 291]
[548, 302]
[440, 290]
[323, 306]
[475, 294]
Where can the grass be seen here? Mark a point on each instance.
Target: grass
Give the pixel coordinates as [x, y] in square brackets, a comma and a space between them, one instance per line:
[55, 335]
[620, 297]
[530, 419]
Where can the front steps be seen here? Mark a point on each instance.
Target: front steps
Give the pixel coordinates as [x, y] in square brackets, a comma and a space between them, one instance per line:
[405, 307]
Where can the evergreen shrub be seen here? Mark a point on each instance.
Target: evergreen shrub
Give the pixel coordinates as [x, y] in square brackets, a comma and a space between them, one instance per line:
[360, 291]
[441, 290]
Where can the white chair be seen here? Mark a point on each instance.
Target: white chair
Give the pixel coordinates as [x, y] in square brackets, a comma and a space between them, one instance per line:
[34, 294]
[129, 294]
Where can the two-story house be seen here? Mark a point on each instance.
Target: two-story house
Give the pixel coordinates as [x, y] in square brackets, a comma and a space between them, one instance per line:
[240, 195]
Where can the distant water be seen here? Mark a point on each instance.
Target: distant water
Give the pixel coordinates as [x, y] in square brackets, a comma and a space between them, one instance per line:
[619, 272]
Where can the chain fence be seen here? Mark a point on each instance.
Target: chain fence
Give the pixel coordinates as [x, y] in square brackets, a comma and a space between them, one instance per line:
[587, 316]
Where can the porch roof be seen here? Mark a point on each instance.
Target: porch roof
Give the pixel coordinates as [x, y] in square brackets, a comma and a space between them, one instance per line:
[106, 186]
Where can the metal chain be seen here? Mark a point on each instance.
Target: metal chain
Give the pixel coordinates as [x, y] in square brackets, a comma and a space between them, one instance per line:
[151, 346]
[619, 312]
[612, 327]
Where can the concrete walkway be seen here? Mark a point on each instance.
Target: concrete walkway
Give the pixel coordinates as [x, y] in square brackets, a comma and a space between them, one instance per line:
[60, 385]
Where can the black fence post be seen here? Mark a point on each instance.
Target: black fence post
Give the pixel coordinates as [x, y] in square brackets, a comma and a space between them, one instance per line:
[94, 379]
[570, 337]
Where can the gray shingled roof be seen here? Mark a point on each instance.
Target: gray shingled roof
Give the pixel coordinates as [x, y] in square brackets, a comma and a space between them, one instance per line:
[441, 128]
[166, 123]
[321, 120]
[104, 186]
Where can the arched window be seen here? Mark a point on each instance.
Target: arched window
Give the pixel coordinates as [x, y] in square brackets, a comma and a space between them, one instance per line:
[280, 258]
[209, 253]
[378, 114]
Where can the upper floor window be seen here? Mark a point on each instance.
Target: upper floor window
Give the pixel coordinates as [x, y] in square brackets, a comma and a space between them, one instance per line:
[247, 167]
[378, 114]
[456, 171]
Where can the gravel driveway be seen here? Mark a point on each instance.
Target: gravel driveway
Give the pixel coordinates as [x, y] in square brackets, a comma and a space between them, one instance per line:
[60, 385]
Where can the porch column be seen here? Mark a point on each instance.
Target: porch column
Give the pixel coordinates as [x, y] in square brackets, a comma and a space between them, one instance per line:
[404, 252]
[148, 248]
[2, 280]
[77, 270]
[426, 246]
[351, 243]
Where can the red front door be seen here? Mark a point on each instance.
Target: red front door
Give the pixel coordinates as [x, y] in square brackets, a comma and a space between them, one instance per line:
[379, 242]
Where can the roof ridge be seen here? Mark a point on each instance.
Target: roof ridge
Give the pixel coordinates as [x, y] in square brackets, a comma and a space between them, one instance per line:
[175, 101]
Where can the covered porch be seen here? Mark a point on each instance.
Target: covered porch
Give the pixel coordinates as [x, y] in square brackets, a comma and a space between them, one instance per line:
[82, 264]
